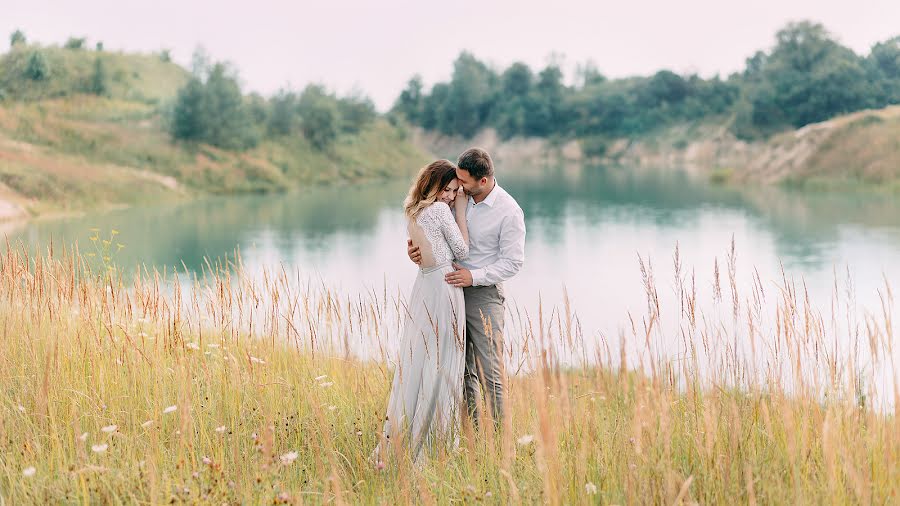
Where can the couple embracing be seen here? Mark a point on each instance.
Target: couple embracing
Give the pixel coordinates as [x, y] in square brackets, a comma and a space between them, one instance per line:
[467, 235]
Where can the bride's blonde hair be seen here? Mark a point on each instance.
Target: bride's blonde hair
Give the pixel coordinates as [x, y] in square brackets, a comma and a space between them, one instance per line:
[430, 181]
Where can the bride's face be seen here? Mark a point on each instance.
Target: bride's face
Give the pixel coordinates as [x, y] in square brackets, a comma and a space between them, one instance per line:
[448, 193]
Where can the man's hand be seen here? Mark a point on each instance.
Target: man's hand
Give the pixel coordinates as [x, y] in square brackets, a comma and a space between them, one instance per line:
[461, 277]
[413, 251]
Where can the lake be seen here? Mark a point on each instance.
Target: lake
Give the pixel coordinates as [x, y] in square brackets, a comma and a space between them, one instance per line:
[588, 230]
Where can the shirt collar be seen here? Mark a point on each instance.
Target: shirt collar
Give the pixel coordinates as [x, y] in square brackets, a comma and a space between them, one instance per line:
[492, 197]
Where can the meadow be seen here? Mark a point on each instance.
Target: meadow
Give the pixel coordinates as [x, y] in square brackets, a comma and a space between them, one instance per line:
[220, 388]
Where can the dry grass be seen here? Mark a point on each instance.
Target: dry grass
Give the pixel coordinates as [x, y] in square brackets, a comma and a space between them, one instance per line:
[226, 389]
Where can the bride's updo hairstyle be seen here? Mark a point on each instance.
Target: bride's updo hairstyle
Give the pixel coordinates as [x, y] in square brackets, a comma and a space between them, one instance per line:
[428, 185]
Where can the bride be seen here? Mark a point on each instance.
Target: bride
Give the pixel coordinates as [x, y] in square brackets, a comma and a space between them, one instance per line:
[426, 393]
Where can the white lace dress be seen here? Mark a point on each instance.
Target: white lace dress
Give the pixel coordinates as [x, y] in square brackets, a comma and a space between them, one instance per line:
[427, 390]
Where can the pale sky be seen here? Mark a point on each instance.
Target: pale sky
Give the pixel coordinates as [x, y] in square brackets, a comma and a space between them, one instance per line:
[376, 46]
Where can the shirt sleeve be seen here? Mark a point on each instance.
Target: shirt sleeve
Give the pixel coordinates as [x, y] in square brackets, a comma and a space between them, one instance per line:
[512, 252]
[452, 234]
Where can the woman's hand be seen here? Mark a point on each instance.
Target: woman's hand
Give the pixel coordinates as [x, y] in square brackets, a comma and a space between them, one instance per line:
[461, 200]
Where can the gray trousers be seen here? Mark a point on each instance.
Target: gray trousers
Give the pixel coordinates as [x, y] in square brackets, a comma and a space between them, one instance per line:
[484, 349]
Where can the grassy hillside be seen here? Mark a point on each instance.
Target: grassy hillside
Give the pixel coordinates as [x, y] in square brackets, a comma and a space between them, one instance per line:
[133, 77]
[857, 149]
[63, 150]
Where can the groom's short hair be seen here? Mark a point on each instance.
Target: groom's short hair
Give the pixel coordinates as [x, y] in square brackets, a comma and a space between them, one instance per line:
[476, 162]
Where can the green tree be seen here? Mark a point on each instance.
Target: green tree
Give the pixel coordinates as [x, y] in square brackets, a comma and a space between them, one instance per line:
[17, 37]
[319, 115]
[98, 84]
[37, 68]
[76, 43]
[410, 103]
[587, 74]
[227, 121]
[257, 111]
[434, 107]
[545, 116]
[283, 118]
[470, 97]
[808, 77]
[883, 64]
[516, 80]
[188, 116]
[356, 112]
[213, 111]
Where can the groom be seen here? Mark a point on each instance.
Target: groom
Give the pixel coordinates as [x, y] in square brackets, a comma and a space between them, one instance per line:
[496, 253]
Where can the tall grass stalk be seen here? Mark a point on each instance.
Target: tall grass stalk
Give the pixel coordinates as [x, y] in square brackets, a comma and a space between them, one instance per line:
[227, 388]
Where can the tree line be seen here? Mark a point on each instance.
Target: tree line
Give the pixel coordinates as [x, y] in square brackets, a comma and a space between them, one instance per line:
[211, 108]
[808, 76]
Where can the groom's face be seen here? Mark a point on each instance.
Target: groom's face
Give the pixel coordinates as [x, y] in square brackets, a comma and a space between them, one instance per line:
[470, 185]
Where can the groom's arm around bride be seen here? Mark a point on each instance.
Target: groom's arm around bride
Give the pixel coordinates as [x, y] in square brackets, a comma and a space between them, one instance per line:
[496, 253]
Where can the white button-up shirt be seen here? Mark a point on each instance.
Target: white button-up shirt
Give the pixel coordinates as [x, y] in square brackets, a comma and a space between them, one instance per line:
[496, 238]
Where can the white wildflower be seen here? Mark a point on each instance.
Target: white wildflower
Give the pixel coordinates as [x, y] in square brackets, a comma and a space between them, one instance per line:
[289, 457]
[220, 429]
[192, 346]
[83, 436]
[109, 429]
[257, 360]
[170, 409]
[332, 407]
[525, 440]
[28, 472]
[207, 460]
[146, 424]
[100, 448]
[590, 488]
[320, 378]
[21, 408]
[326, 384]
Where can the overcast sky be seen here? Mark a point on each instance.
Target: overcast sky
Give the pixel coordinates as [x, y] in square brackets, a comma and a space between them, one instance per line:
[376, 46]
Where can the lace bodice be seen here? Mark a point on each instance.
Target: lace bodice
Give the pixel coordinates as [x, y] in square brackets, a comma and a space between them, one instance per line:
[440, 229]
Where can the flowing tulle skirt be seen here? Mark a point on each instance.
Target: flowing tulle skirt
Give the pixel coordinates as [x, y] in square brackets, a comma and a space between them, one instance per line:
[427, 391]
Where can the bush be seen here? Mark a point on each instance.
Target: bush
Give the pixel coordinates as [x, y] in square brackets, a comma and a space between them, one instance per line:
[76, 43]
[98, 82]
[37, 68]
[17, 38]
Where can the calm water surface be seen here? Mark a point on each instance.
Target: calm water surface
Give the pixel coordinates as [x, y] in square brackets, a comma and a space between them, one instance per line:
[587, 230]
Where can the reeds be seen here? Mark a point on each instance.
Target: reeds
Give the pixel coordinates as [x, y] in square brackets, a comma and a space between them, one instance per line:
[227, 388]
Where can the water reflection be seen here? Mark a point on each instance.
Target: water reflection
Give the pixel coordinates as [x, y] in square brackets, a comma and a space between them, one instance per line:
[805, 228]
[586, 228]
